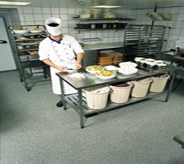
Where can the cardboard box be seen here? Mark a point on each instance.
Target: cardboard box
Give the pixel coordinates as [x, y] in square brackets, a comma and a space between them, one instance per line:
[117, 57]
[105, 59]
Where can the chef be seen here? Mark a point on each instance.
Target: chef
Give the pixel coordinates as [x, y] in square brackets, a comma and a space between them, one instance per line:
[59, 52]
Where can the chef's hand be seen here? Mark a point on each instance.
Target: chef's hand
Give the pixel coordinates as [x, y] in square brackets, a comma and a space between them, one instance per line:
[78, 65]
[61, 68]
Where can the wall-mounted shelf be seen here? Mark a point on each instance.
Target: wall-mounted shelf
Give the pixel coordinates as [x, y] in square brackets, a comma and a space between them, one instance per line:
[100, 19]
[101, 26]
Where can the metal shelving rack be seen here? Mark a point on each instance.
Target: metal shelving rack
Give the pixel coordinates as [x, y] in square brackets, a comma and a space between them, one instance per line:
[27, 63]
[143, 40]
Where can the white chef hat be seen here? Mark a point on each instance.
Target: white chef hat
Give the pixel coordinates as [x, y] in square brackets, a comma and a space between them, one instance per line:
[53, 26]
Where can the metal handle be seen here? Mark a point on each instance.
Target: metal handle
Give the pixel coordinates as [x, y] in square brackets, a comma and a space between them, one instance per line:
[3, 41]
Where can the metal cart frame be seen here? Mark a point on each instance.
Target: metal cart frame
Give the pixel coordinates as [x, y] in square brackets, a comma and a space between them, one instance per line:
[143, 40]
[24, 61]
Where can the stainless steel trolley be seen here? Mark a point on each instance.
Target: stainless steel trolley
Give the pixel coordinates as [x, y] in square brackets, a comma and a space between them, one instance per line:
[24, 45]
[78, 102]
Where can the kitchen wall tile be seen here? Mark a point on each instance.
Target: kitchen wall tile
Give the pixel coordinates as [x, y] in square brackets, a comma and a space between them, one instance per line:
[174, 10]
[20, 10]
[21, 16]
[71, 11]
[181, 10]
[175, 17]
[39, 22]
[56, 15]
[27, 10]
[37, 10]
[74, 35]
[54, 10]
[65, 30]
[64, 17]
[30, 23]
[23, 23]
[176, 32]
[182, 30]
[46, 10]
[46, 16]
[64, 24]
[181, 38]
[38, 17]
[14, 22]
[178, 25]
[29, 17]
[139, 12]
[180, 17]
[63, 10]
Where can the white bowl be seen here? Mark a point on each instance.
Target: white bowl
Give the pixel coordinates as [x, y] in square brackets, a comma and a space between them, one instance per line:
[106, 77]
[69, 70]
[127, 70]
[151, 64]
[111, 68]
[149, 60]
[159, 61]
[93, 72]
[138, 59]
[161, 65]
[103, 77]
[127, 64]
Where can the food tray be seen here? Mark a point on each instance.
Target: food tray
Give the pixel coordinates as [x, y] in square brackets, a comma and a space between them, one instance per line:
[20, 31]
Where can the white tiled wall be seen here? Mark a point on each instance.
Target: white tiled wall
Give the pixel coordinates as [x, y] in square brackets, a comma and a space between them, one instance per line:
[37, 15]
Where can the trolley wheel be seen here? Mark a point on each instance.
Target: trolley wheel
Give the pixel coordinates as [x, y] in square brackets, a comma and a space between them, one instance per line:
[45, 76]
[21, 80]
[28, 89]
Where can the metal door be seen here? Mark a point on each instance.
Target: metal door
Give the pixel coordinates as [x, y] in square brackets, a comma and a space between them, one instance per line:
[6, 56]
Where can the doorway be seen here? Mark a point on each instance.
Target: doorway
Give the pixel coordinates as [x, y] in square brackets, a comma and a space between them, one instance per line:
[7, 61]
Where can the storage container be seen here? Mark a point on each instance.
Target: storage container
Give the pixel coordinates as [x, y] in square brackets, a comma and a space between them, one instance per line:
[159, 83]
[120, 94]
[105, 59]
[140, 88]
[117, 57]
[96, 97]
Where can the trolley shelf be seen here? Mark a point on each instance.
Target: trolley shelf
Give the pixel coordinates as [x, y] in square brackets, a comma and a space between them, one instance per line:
[73, 101]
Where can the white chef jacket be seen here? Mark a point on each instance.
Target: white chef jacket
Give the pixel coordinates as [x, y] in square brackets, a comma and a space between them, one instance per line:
[62, 55]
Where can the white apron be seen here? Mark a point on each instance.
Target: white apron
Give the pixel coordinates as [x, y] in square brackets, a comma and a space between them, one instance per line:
[56, 87]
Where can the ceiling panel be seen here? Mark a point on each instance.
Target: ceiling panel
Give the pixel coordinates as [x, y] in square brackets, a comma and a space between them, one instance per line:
[125, 4]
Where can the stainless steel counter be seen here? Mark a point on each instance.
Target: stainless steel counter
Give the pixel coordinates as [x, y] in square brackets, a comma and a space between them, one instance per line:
[77, 101]
[103, 46]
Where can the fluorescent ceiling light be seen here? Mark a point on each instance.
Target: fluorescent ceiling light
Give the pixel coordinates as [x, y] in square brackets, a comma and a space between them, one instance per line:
[105, 6]
[13, 3]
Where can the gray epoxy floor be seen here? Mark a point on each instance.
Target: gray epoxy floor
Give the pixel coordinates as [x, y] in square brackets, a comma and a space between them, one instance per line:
[35, 131]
